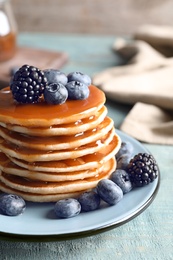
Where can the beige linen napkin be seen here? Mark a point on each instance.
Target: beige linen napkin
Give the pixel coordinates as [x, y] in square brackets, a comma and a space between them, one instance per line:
[147, 82]
[152, 87]
[149, 123]
[160, 37]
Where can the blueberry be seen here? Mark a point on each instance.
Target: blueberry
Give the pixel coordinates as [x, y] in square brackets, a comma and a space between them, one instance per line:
[126, 148]
[89, 201]
[67, 208]
[55, 93]
[109, 191]
[123, 161]
[55, 76]
[121, 178]
[79, 76]
[12, 205]
[77, 90]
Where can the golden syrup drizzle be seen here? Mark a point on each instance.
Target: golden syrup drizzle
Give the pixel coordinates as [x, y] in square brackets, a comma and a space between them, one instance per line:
[65, 129]
[96, 157]
[70, 114]
[43, 114]
[51, 141]
[9, 148]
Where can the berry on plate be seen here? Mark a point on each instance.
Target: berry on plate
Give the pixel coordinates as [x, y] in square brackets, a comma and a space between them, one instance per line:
[126, 148]
[89, 201]
[123, 161]
[28, 84]
[12, 205]
[142, 169]
[109, 191]
[55, 93]
[67, 208]
[121, 178]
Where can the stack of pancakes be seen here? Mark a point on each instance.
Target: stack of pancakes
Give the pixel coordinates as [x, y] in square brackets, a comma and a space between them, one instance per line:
[51, 152]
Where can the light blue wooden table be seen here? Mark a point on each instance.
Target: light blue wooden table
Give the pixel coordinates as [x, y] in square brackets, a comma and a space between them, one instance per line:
[150, 235]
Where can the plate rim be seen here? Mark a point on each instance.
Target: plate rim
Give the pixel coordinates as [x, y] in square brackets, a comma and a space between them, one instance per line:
[90, 232]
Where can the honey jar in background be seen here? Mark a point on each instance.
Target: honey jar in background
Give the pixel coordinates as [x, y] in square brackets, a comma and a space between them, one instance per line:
[8, 31]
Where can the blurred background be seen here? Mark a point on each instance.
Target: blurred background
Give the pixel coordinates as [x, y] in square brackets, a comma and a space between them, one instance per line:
[90, 16]
[74, 20]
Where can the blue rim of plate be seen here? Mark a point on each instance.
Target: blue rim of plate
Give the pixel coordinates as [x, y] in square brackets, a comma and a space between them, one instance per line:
[100, 227]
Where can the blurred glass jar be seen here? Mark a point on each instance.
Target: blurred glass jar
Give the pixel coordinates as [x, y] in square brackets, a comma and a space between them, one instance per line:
[8, 31]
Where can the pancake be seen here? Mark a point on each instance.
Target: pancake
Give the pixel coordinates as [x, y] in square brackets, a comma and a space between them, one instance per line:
[70, 165]
[39, 197]
[58, 142]
[81, 125]
[8, 167]
[42, 187]
[51, 152]
[43, 115]
[51, 177]
[32, 155]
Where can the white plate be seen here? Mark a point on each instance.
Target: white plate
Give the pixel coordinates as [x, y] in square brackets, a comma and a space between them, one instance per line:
[38, 223]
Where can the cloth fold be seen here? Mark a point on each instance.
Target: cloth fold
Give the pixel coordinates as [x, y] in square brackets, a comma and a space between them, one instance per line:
[149, 123]
[159, 37]
[145, 81]
[152, 87]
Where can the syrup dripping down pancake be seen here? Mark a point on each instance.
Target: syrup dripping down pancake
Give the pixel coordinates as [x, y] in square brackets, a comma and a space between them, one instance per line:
[42, 187]
[27, 187]
[59, 142]
[8, 167]
[50, 152]
[32, 155]
[43, 115]
[86, 162]
[81, 125]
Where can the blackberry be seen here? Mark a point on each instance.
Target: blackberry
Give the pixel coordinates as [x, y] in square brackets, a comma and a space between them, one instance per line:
[142, 169]
[28, 84]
